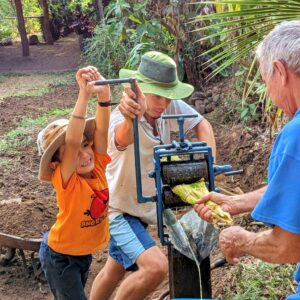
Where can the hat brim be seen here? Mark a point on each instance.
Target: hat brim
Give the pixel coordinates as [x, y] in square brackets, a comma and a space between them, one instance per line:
[174, 92]
[45, 172]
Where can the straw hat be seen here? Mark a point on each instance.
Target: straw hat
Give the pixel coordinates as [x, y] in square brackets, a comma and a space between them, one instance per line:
[51, 138]
[157, 74]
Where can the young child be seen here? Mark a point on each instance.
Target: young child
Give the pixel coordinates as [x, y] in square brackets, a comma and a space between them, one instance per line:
[74, 160]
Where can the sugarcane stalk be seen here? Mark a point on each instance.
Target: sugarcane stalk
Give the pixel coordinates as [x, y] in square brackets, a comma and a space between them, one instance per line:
[191, 193]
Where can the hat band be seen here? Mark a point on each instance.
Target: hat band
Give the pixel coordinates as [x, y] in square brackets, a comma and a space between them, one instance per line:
[161, 73]
[143, 79]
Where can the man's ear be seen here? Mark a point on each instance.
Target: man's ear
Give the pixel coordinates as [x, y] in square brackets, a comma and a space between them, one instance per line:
[54, 164]
[281, 70]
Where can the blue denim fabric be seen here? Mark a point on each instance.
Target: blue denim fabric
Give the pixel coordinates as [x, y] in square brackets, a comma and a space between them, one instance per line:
[128, 240]
[66, 274]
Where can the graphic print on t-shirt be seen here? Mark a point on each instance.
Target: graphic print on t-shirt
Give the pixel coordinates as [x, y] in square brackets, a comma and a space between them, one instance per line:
[99, 204]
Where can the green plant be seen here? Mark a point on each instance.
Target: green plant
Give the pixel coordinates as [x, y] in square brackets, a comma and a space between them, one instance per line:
[14, 139]
[63, 79]
[260, 280]
[106, 52]
[5, 31]
[41, 121]
[58, 112]
[244, 27]
[247, 111]
[118, 9]
[33, 85]
[243, 23]
[128, 34]
[33, 93]
[7, 163]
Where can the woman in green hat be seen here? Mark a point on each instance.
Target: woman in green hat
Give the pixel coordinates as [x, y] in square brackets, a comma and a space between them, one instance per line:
[131, 247]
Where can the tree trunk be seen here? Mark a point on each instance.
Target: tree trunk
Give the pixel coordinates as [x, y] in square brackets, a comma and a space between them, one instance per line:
[45, 22]
[99, 10]
[21, 27]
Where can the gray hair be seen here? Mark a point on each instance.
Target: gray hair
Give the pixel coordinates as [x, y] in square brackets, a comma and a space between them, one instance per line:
[282, 43]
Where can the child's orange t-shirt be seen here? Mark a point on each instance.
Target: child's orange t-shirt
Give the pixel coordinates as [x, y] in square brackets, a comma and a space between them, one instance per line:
[81, 226]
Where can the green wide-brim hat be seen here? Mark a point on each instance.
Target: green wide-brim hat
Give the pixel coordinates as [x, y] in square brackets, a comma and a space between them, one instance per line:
[157, 74]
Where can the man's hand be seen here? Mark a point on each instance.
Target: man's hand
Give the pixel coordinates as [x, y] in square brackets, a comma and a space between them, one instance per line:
[129, 107]
[231, 242]
[225, 202]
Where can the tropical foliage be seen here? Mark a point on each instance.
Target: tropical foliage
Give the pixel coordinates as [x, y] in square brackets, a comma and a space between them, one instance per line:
[240, 26]
[31, 8]
[128, 32]
[8, 27]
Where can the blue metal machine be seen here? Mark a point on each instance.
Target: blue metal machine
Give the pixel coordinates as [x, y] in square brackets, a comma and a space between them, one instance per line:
[196, 162]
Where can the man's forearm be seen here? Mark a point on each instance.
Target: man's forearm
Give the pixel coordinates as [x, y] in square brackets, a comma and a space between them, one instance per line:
[246, 202]
[124, 133]
[274, 245]
[205, 133]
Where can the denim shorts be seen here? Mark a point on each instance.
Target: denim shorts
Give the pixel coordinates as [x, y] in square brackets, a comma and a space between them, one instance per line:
[128, 240]
[65, 274]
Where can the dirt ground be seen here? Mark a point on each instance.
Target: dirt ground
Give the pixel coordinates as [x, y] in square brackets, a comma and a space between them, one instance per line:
[63, 55]
[28, 208]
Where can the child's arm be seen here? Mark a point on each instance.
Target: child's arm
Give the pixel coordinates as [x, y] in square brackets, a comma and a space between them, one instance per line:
[74, 134]
[102, 118]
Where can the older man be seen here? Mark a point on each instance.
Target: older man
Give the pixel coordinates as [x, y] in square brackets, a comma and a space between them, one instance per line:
[131, 247]
[278, 204]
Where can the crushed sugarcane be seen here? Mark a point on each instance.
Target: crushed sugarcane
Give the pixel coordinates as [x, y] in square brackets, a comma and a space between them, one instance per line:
[191, 193]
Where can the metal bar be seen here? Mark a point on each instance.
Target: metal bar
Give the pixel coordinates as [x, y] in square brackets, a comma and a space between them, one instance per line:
[169, 146]
[138, 176]
[140, 197]
[222, 169]
[171, 151]
[218, 263]
[180, 121]
[159, 203]
[21, 252]
[182, 116]
[115, 81]
[235, 172]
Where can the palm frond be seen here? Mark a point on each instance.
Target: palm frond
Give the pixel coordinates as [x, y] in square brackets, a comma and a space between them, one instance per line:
[244, 27]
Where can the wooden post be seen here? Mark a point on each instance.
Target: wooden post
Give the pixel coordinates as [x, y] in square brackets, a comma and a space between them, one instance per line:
[184, 276]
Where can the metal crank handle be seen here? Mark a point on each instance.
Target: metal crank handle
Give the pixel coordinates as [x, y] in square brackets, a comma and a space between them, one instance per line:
[235, 172]
[115, 81]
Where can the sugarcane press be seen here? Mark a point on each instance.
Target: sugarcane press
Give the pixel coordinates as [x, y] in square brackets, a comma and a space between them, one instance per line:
[195, 162]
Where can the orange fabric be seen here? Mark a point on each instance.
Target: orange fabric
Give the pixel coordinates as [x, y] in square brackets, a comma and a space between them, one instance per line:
[81, 225]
